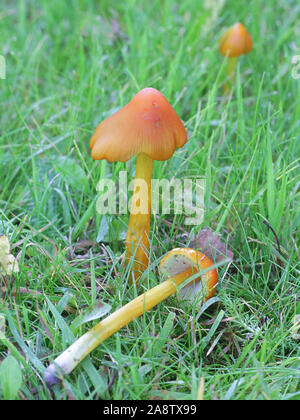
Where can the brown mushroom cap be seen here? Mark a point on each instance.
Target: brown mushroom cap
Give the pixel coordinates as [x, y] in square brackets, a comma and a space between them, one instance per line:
[147, 124]
[235, 41]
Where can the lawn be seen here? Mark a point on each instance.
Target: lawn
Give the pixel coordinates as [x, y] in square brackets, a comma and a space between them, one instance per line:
[69, 65]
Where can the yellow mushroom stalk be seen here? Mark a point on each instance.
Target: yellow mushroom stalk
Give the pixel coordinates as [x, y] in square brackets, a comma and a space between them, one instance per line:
[137, 238]
[182, 263]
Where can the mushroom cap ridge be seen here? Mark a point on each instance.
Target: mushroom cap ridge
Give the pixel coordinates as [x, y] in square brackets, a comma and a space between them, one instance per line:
[147, 124]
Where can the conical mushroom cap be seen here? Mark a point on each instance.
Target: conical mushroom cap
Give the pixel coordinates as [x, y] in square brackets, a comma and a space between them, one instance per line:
[147, 124]
[235, 41]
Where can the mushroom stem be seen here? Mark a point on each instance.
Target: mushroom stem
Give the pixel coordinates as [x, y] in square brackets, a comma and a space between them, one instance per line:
[72, 356]
[137, 238]
[230, 73]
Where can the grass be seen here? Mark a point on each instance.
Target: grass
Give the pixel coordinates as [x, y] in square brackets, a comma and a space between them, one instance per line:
[71, 64]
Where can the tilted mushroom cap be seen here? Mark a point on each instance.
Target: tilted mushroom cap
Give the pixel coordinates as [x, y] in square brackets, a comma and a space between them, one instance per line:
[189, 262]
[235, 41]
[147, 124]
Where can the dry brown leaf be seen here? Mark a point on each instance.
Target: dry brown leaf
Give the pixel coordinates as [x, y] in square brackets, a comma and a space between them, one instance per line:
[210, 244]
[8, 263]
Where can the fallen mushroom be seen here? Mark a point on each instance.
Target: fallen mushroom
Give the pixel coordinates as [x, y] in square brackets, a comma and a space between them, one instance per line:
[178, 266]
[233, 43]
[147, 127]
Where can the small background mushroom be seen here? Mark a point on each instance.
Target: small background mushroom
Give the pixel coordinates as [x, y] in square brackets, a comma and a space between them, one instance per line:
[233, 43]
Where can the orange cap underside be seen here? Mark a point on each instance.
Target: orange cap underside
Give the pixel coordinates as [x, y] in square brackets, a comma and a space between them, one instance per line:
[147, 124]
[202, 262]
[236, 41]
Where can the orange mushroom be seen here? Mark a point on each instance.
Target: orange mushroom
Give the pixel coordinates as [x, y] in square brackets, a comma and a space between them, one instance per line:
[147, 127]
[233, 43]
[177, 266]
